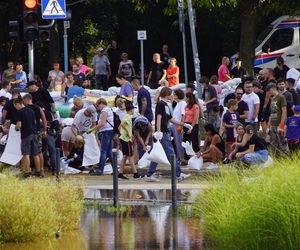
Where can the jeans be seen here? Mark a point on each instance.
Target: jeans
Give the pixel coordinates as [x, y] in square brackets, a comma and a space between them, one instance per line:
[278, 141]
[169, 151]
[178, 136]
[50, 140]
[105, 138]
[101, 82]
[256, 158]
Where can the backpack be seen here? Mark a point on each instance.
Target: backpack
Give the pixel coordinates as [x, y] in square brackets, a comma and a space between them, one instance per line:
[117, 123]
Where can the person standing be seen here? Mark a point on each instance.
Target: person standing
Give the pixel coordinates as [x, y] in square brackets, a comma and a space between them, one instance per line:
[173, 73]
[288, 96]
[278, 115]
[238, 70]
[253, 102]
[143, 100]
[281, 69]
[223, 71]
[126, 67]
[126, 87]
[243, 109]
[162, 119]
[25, 120]
[292, 131]
[165, 56]
[290, 83]
[9, 74]
[20, 78]
[83, 68]
[6, 86]
[101, 65]
[56, 77]
[9, 111]
[114, 54]
[78, 76]
[157, 73]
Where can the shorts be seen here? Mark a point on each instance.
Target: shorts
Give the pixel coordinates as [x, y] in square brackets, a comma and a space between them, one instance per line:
[29, 145]
[67, 135]
[126, 147]
[39, 141]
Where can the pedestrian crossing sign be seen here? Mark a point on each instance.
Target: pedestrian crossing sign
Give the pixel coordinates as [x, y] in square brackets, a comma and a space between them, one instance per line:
[53, 9]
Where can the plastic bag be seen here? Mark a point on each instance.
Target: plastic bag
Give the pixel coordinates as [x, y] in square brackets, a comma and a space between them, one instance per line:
[144, 162]
[188, 148]
[268, 163]
[158, 154]
[91, 152]
[195, 163]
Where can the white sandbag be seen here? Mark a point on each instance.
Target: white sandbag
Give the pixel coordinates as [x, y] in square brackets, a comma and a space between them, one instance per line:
[108, 169]
[158, 154]
[188, 148]
[268, 163]
[91, 151]
[195, 163]
[56, 95]
[144, 161]
[69, 170]
[63, 164]
[293, 73]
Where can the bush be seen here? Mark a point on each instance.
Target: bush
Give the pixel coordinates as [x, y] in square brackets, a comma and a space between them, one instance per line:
[34, 209]
[260, 211]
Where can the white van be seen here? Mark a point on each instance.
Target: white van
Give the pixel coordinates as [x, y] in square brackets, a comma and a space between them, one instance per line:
[280, 38]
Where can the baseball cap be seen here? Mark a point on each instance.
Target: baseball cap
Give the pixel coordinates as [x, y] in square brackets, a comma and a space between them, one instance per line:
[100, 49]
[92, 109]
[129, 106]
[270, 86]
[297, 108]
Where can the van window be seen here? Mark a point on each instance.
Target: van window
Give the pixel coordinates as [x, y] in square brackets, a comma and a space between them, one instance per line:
[280, 39]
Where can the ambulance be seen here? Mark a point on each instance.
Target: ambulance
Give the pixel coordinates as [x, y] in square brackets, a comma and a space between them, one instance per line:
[280, 38]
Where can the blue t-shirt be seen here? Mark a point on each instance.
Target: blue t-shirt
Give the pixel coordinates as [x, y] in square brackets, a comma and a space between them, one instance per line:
[75, 90]
[230, 119]
[293, 127]
[144, 93]
[21, 76]
[126, 89]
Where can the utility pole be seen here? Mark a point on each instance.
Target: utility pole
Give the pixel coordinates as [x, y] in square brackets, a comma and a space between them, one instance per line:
[195, 48]
[182, 30]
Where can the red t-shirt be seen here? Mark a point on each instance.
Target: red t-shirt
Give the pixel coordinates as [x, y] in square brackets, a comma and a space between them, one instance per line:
[190, 113]
[222, 71]
[174, 80]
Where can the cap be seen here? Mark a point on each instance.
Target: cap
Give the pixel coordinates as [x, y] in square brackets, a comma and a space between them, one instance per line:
[129, 106]
[31, 83]
[91, 109]
[100, 49]
[297, 108]
[190, 86]
[271, 86]
[291, 80]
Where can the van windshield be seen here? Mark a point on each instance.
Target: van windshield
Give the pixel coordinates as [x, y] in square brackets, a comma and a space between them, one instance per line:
[262, 36]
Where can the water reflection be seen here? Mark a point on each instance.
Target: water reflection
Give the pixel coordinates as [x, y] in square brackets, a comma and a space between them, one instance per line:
[141, 227]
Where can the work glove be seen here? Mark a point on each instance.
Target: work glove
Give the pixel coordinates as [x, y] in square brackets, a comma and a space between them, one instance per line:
[158, 135]
[188, 126]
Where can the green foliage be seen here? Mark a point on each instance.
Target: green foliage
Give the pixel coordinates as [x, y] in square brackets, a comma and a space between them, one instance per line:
[35, 209]
[257, 212]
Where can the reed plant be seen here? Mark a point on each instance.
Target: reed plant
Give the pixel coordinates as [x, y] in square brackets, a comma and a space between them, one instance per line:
[32, 209]
[253, 210]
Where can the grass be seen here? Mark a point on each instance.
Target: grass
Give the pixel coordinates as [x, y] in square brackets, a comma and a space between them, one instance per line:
[34, 209]
[259, 209]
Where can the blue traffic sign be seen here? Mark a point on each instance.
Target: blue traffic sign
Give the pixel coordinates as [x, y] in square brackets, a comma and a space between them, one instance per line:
[53, 9]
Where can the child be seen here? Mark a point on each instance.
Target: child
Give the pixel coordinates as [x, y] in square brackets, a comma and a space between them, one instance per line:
[126, 143]
[237, 146]
[292, 130]
[121, 110]
[163, 84]
[230, 119]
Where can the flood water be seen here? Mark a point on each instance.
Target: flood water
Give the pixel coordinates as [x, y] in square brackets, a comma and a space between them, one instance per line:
[139, 227]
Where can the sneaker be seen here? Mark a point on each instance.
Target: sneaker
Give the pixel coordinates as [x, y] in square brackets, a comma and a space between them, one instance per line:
[122, 177]
[212, 166]
[39, 174]
[183, 176]
[95, 173]
[137, 176]
[151, 178]
[27, 175]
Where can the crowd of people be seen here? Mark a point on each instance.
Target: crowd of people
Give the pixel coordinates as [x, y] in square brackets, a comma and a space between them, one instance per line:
[261, 116]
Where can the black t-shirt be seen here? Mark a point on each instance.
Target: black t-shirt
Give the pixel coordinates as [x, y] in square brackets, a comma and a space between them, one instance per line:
[242, 107]
[295, 96]
[79, 78]
[165, 58]
[37, 114]
[10, 111]
[163, 109]
[281, 73]
[43, 96]
[114, 59]
[258, 142]
[144, 94]
[238, 72]
[157, 70]
[27, 118]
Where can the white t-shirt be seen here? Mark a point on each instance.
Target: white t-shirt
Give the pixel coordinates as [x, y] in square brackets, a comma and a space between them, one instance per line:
[120, 113]
[110, 119]
[251, 100]
[68, 121]
[179, 110]
[126, 68]
[56, 77]
[3, 92]
[83, 122]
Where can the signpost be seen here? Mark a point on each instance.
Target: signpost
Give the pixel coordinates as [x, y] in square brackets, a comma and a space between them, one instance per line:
[66, 27]
[54, 9]
[141, 36]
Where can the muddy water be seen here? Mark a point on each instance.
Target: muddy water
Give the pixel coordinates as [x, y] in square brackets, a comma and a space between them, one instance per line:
[139, 227]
